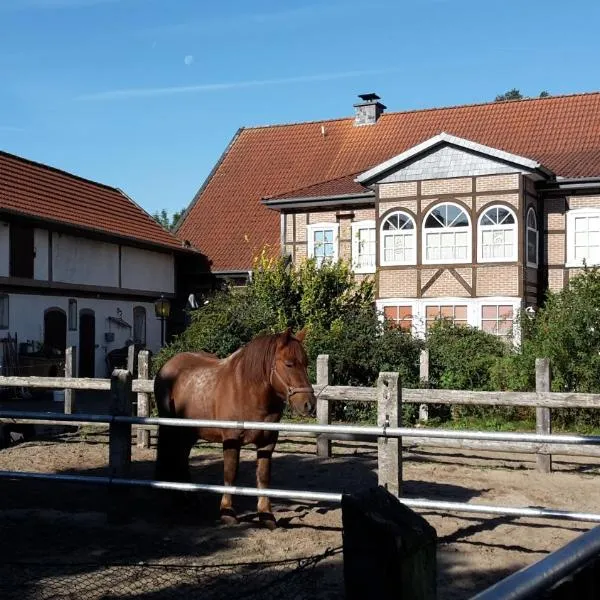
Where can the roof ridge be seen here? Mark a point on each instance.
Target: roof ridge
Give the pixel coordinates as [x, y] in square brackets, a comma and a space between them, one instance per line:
[431, 109]
[46, 167]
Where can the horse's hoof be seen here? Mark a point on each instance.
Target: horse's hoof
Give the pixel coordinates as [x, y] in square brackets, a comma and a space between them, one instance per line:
[228, 517]
[267, 520]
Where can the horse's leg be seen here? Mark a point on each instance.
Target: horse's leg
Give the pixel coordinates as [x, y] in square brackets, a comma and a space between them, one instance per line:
[172, 453]
[263, 477]
[231, 459]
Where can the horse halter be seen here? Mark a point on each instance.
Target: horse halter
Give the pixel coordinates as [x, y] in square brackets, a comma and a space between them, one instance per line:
[290, 391]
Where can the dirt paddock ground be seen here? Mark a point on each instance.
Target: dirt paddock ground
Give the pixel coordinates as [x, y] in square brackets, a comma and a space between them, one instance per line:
[55, 542]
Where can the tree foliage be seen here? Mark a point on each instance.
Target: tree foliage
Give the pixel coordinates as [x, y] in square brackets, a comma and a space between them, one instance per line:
[168, 222]
[337, 311]
[515, 94]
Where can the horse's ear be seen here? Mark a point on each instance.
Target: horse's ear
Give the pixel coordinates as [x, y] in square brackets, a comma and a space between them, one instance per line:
[286, 336]
[301, 335]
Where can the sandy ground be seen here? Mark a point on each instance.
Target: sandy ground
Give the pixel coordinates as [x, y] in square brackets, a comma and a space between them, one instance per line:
[56, 536]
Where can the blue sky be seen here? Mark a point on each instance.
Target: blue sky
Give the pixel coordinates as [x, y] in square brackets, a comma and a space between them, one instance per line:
[146, 94]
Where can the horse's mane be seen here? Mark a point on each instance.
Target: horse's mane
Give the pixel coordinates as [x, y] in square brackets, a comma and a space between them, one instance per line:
[255, 359]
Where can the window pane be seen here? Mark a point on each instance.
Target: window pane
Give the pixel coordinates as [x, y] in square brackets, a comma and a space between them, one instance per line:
[328, 235]
[432, 312]
[581, 224]
[390, 312]
[460, 312]
[531, 219]
[489, 326]
[447, 311]
[456, 217]
[504, 216]
[318, 236]
[434, 220]
[489, 312]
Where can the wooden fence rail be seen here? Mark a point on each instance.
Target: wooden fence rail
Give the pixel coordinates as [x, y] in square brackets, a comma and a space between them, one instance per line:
[542, 399]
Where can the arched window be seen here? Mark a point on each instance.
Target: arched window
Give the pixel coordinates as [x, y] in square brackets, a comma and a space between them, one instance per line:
[139, 325]
[398, 240]
[532, 239]
[497, 239]
[446, 235]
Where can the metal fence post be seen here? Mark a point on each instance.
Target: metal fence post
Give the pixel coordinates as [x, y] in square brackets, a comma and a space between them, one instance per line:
[143, 401]
[543, 422]
[389, 414]
[70, 373]
[323, 406]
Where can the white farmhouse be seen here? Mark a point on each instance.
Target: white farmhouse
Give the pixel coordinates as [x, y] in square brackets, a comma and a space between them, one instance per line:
[80, 265]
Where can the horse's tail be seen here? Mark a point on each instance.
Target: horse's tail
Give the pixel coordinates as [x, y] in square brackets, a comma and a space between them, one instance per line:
[162, 397]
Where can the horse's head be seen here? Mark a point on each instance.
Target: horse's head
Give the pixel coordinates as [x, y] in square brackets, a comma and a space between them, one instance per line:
[289, 376]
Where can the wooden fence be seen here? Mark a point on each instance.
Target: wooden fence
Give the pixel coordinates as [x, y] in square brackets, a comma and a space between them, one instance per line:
[542, 399]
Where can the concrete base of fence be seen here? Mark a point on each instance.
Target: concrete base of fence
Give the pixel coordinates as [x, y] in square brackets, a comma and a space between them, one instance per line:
[389, 550]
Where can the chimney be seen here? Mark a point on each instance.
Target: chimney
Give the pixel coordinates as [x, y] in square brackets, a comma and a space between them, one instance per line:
[369, 110]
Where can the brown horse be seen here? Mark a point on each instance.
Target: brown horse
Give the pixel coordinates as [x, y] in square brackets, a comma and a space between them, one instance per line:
[252, 384]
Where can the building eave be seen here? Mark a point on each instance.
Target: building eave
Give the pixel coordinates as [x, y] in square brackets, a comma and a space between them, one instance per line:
[365, 198]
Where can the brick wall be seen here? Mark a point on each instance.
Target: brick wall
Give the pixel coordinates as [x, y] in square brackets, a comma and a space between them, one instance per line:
[588, 202]
[497, 182]
[511, 199]
[456, 185]
[398, 205]
[398, 283]
[556, 279]
[498, 281]
[445, 285]
[398, 190]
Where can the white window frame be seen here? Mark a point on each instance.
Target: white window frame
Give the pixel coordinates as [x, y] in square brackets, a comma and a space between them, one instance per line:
[484, 228]
[468, 229]
[335, 227]
[383, 235]
[535, 264]
[356, 227]
[474, 310]
[571, 216]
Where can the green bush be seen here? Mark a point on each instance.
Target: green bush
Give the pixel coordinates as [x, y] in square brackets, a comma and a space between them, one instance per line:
[337, 311]
[466, 358]
[566, 329]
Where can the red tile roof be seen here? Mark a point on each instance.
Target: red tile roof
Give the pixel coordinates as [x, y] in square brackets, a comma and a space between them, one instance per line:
[47, 193]
[339, 186]
[228, 223]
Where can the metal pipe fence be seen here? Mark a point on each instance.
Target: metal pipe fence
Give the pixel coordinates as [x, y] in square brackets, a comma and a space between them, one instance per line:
[532, 581]
[299, 428]
[330, 497]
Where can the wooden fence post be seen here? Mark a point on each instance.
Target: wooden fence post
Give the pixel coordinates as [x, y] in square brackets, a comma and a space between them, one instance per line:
[119, 450]
[389, 550]
[131, 359]
[389, 450]
[323, 406]
[143, 401]
[543, 423]
[70, 372]
[424, 377]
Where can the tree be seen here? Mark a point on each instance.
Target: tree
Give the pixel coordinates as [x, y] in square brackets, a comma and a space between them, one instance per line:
[163, 219]
[513, 94]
